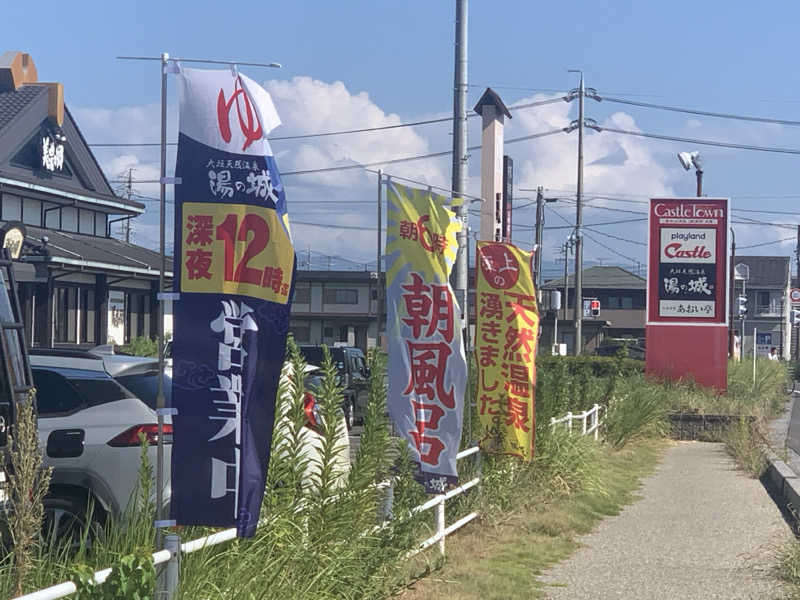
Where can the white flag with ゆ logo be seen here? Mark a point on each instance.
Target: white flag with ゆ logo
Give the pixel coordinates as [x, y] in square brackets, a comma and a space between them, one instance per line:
[240, 104]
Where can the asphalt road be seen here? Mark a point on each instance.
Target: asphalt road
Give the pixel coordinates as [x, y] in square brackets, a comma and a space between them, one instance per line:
[701, 530]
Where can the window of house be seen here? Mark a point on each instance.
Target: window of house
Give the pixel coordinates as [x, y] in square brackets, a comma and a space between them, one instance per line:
[613, 302]
[626, 302]
[12, 208]
[302, 295]
[52, 216]
[343, 333]
[327, 332]
[137, 315]
[69, 218]
[762, 299]
[302, 335]
[65, 321]
[31, 212]
[100, 224]
[87, 315]
[340, 296]
[86, 221]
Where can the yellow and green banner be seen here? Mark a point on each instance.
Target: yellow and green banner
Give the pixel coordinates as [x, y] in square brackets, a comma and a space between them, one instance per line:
[506, 335]
[427, 367]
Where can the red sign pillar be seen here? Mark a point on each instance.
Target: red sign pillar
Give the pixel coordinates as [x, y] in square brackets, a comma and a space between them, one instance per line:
[687, 290]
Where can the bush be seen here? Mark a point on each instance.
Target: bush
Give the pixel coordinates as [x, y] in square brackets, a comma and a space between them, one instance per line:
[141, 346]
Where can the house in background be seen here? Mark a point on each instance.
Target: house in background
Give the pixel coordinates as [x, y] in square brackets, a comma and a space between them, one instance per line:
[767, 289]
[332, 307]
[622, 307]
[77, 285]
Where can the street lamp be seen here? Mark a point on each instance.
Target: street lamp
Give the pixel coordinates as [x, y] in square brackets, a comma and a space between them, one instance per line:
[689, 159]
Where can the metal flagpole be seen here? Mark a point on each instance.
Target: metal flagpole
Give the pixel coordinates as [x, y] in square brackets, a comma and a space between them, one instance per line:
[160, 403]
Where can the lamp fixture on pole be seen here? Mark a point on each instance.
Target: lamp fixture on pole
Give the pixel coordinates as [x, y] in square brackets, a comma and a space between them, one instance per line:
[689, 159]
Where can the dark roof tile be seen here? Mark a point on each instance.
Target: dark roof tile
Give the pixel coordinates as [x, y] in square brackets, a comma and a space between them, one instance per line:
[13, 102]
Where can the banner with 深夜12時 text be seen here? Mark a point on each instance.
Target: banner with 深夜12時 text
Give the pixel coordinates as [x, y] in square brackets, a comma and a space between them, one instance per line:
[427, 367]
[234, 271]
[506, 334]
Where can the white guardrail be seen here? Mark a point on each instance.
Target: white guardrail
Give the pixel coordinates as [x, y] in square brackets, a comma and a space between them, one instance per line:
[590, 421]
[174, 548]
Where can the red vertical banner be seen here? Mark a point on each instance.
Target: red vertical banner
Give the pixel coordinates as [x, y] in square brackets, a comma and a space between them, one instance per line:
[687, 290]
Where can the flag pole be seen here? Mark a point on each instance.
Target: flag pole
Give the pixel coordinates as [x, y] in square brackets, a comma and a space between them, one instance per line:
[160, 402]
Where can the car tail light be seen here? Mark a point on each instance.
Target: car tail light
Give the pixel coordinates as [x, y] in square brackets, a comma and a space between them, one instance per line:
[130, 437]
[311, 409]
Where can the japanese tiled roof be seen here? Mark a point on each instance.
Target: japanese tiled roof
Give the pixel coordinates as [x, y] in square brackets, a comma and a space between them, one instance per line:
[109, 251]
[603, 278]
[13, 102]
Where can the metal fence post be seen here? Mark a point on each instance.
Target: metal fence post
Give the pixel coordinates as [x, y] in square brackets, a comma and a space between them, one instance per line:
[169, 577]
[440, 525]
[569, 421]
[387, 506]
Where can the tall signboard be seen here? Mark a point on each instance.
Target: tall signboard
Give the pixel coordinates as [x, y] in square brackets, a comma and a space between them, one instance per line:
[687, 290]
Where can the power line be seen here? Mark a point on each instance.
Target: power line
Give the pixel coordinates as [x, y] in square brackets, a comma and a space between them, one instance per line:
[398, 160]
[704, 113]
[609, 248]
[304, 136]
[766, 243]
[715, 143]
[621, 239]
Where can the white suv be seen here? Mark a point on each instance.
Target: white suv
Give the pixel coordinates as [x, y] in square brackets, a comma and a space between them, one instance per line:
[89, 427]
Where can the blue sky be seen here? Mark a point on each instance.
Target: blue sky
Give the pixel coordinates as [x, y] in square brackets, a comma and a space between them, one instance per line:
[396, 58]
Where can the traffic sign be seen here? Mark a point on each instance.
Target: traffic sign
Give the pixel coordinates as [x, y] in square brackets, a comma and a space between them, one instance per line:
[794, 295]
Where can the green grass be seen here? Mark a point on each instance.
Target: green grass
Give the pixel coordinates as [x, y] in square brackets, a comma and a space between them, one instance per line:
[502, 558]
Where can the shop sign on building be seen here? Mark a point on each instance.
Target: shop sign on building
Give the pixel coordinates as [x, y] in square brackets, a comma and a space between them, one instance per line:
[687, 314]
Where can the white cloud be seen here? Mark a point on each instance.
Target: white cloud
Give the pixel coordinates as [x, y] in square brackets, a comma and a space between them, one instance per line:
[307, 105]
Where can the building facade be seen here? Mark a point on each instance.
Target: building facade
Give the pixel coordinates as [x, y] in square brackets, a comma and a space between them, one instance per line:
[622, 296]
[765, 282]
[342, 307]
[77, 285]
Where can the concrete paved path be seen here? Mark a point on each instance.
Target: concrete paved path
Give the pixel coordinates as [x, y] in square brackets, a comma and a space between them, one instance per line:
[701, 531]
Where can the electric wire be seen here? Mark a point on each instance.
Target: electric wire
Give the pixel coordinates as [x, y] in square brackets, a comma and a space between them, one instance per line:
[715, 143]
[704, 113]
[766, 243]
[304, 136]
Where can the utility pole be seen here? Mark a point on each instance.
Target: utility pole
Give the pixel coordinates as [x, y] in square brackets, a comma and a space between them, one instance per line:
[459, 181]
[794, 330]
[539, 227]
[732, 291]
[578, 313]
[566, 286]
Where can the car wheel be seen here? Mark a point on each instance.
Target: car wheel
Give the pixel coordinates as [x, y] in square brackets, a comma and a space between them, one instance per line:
[67, 522]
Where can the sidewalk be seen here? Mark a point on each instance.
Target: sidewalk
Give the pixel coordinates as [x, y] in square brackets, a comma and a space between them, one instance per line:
[701, 530]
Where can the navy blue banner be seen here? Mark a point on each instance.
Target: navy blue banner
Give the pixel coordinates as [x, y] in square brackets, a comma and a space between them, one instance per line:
[234, 269]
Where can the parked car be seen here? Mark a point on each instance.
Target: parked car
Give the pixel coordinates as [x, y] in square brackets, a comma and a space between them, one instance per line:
[92, 408]
[89, 427]
[351, 366]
